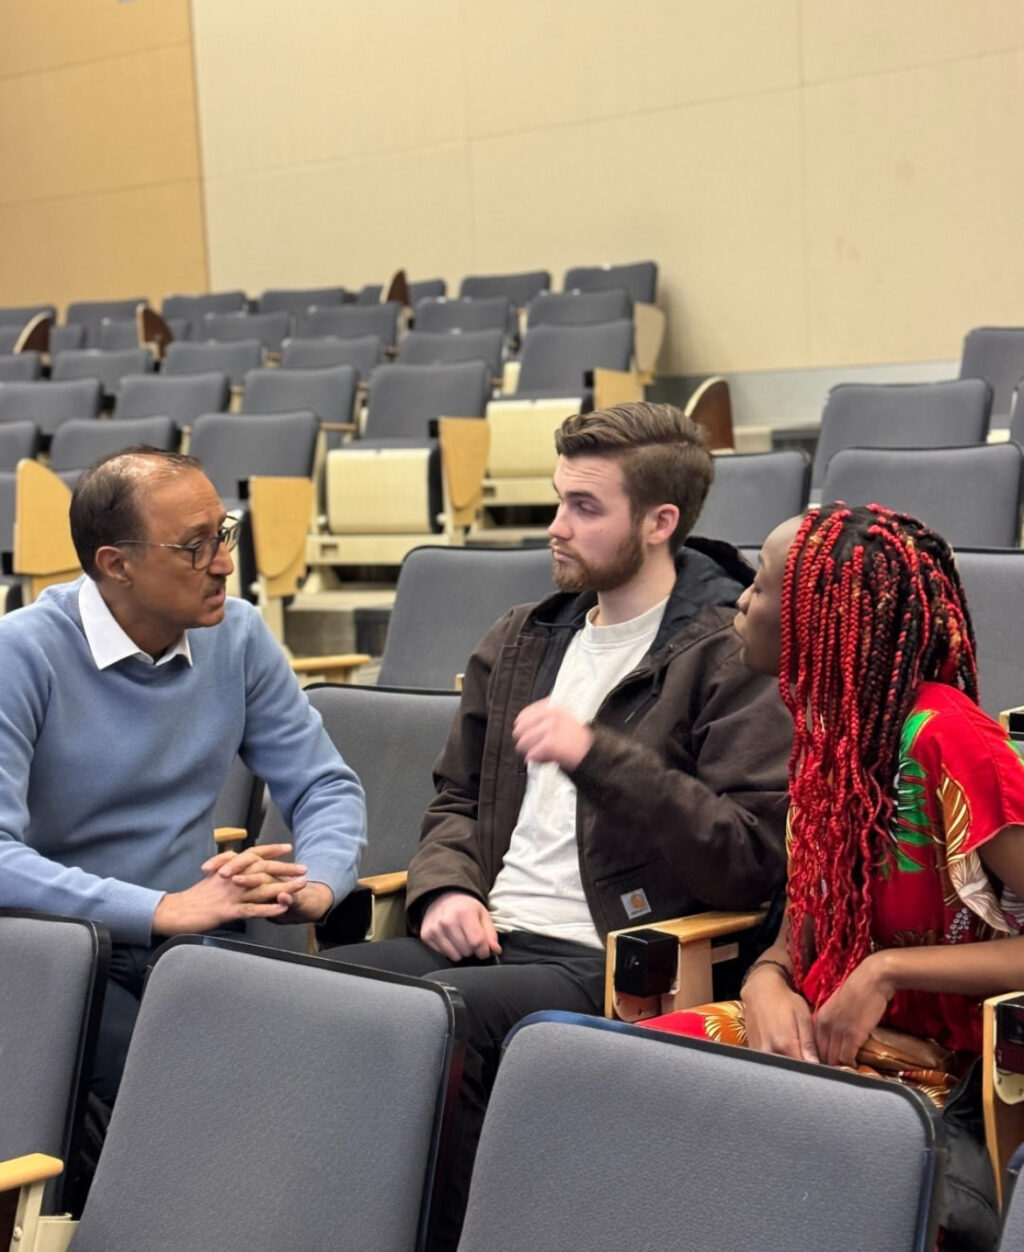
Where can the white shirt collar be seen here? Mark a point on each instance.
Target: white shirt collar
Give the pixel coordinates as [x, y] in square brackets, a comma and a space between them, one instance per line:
[107, 642]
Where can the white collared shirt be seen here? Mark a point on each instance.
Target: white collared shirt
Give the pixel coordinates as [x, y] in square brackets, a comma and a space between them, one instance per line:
[107, 642]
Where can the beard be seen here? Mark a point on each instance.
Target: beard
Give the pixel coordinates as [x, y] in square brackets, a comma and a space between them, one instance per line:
[582, 576]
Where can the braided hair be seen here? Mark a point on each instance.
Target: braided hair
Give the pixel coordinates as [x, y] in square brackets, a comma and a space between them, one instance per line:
[872, 606]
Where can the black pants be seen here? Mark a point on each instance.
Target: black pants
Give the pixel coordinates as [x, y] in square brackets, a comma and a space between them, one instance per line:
[533, 973]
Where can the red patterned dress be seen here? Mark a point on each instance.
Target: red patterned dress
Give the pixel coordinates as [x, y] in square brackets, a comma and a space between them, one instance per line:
[960, 782]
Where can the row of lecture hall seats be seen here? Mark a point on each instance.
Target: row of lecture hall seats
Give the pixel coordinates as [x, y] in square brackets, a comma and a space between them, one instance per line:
[687, 1144]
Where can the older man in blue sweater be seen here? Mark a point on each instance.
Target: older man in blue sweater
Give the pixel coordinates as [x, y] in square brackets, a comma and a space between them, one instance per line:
[120, 717]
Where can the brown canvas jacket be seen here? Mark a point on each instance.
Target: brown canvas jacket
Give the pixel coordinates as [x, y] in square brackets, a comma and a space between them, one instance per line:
[681, 800]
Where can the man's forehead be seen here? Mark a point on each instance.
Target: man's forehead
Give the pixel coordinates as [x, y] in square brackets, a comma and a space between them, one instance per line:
[179, 501]
[596, 475]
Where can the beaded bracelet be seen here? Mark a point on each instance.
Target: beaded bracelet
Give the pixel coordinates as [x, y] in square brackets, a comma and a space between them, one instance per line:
[787, 973]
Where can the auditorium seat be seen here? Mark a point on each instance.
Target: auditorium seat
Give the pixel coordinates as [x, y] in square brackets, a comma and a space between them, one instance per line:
[349, 320]
[17, 441]
[297, 301]
[89, 314]
[271, 329]
[439, 315]
[181, 396]
[329, 393]
[995, 354]
[574, 308]
[520, 288]
[365, 352]
[50, 403]
[20, 367]
[640, 279]
[192, 309]
[79, 444]
[234, 359]
[422, 347]
[108, 367]
[752, 494]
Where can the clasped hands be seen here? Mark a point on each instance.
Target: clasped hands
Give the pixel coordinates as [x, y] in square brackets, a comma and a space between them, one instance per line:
[241, 885]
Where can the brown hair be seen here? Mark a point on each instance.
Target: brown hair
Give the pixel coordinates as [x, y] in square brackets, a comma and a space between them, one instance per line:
[662, 452]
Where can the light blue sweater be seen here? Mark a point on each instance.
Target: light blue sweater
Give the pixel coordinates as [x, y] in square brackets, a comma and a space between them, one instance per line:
[108, 778]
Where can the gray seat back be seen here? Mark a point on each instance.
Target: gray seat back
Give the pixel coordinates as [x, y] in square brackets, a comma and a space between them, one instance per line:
[234, 447]
[446, 601]
[71, 335]
[269, 328]
[339, 1147]
[426, 288]
[994, 586]
[603, 1136]
[556, 358]
[108, 367]
[971, 496]
[233, 359]
[751, 494]
[50, 403]
[362, 351]
[52, 978]
[18, 440]
[192, 309]
[77, 444]
[519, 288]
[480, 313]
[328, 392]
[996, 354]
[182, 397]
[575, 308]
[346, 321]
[89, 314]
[21, 367]
[901, 415]
[392, 739]
[239, 802]
[404, 399]
[118, 333]
[297, 301]
[422, 347]
[21, 314]
[8, 495]
[640, 279]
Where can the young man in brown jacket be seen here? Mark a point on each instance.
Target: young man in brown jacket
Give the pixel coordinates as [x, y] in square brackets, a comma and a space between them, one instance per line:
[612, 762]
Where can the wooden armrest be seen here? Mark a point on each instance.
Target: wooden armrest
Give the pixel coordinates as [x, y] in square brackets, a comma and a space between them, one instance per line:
[334, 668]
[384, 884]
[347, 428]
[225, 835]
[20, 1171]
[1004, 716]
[692, 983]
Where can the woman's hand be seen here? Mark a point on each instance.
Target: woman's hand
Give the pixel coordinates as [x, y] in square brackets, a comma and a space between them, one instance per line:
[776, 1017]
[849, 1015]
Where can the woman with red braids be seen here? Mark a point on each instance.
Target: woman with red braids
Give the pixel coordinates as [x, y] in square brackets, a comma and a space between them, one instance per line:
[906, 826]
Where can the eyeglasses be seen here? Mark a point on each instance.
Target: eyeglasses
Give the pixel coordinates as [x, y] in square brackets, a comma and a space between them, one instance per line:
[202, 551]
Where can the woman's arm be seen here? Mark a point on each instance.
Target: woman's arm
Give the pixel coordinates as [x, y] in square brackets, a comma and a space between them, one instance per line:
[776, 1017]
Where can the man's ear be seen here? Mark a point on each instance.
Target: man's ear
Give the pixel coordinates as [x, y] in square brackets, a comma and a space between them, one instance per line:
[662, 523]
[112, 565]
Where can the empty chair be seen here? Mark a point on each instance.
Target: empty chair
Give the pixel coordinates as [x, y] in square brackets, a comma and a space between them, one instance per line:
[89, 314]
[404, 399]
[752, 494]
[297, 301]
[181, 397]
[639, 279]
[970, 495]
[519, 288]
[377, 1052]
[446, 601]
[232, 448]
[192, 309]
[52, 979]
[17, 441]
[20, 315]
[350, 320]
[108, 367]
[996, 354]
[695, 1145]
[362, 351]
[78, 444]
[63, 338]
[118, 333]
[556, 359]
[369, 293]
[994, 584]
[483, 313]
[421, 347]
[901, 415]
[20, 367]
[269, 328]
[328, 393]
[9, 336]
[50, 403]
[575, 307]
[426, 288]
[234, 359]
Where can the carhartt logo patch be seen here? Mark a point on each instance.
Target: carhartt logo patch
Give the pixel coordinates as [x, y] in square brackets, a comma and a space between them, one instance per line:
[635, 903]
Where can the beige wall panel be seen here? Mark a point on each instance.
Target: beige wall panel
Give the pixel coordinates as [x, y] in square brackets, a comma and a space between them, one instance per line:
[913, 208]
[537, 63]
[85, 128]
[351, 223]
[872, 36]
[43, 34]
[143, 241]
[711, 192]
[324, 80]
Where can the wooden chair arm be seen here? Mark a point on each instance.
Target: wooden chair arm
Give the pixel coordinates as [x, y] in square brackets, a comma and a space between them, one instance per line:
[692, 984]
[334, 669]
[21, 1171]
[225, 836]
[1004, 716]
[384, 884]
[346, 428]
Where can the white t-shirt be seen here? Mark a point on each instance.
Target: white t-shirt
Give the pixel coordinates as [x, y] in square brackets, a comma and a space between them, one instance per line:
[539, 887]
